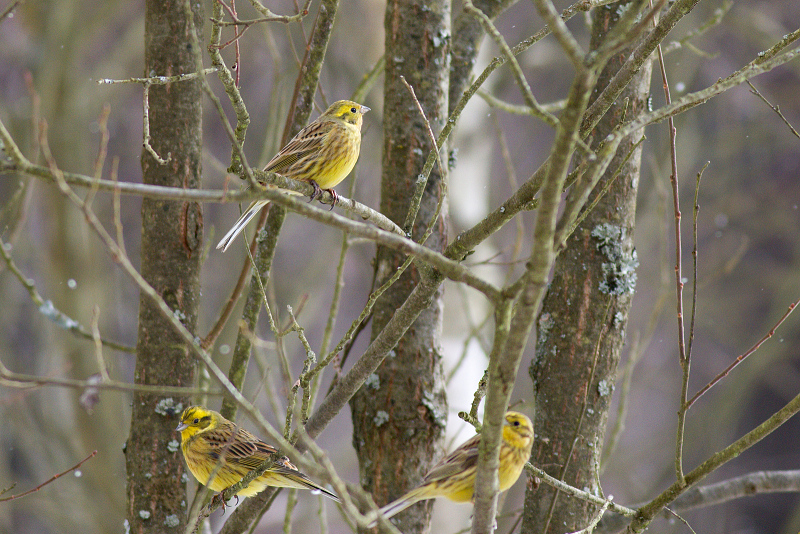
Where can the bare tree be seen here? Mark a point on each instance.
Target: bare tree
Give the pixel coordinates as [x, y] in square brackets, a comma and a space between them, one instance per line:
[539, 249]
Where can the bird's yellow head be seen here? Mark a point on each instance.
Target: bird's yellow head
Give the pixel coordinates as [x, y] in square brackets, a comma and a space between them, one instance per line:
[347, 111]
[518, 430]
[196, 419]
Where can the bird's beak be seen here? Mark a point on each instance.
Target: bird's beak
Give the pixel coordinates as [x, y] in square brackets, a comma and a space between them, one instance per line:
[181, 427]
[364, 109]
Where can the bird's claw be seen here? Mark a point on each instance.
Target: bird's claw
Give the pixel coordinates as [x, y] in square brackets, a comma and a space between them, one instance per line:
[215, 499]
[220, 497]
[318, 193]
[335, 196]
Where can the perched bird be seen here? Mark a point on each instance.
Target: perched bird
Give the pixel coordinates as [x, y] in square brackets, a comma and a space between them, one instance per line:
[209, 440]
[454, 476]
[322, 154]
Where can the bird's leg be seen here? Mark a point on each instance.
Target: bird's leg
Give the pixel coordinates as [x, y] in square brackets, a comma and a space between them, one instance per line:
[317, 191]
[335, 196]
[220, 496]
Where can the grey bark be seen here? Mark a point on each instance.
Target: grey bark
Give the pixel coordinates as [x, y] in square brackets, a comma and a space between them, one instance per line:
[172, 239]
[581, 328]
[405, 403]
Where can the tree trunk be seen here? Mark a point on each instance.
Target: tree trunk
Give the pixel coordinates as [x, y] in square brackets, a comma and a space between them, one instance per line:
[171, 251]
[581, 328]
[405, 403]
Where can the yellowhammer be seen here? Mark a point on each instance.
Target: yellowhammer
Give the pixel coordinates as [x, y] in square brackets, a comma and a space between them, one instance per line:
[454, 476]
[208, 440]
[322, 154]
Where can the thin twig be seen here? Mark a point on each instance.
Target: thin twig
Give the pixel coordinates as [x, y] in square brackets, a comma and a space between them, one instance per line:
[683, 357]
[355, 327]
[726, 491]
[286, 19]
[775, 108]
[146, 124]
[8, 10]
[419, 188]
[575, 492]
[509, 56]
[763, 62]
[25, 381]
[515, 109]
[48, 481]
[230, 304]
[98, 345]
[511, 176]
[48, 309]
[473, 334]
[267, 13]
[695, 214]
[158, 80]
[596, 519]
[647, 512]
[562, 34]
[117, 205]
[477, 397]
[102, 151]
[742, 357]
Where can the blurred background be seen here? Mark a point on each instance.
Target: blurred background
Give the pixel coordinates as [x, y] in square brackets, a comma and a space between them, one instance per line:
[51, 56]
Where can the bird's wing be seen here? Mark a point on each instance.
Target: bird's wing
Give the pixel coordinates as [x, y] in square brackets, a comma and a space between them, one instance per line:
[250, 452]
[247, 450]
[308, 141]
[219, 438]
[462, 458]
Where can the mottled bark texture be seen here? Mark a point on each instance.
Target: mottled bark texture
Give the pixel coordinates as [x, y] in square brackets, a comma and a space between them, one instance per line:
[172, 233]
[581, 328]
[399, 415]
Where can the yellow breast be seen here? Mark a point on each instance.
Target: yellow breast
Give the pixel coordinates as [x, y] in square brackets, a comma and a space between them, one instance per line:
[332, 170]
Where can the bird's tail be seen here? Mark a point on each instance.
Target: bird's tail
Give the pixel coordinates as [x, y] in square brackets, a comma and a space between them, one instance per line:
[239, 225]
[317, 489]
[395, 507]
[290, 478]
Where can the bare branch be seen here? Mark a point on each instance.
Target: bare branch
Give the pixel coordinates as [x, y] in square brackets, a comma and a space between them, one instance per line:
[48, 309]
[159, 80]
[575, 492]
[739, 359]
[509, 56]
[7, 12]
[48, 481]
[776, 109]
[749, 485]
[649, 511]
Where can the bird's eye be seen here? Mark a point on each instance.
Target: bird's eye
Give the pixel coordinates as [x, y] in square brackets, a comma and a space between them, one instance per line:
[515, 423]
[352, 110]
[196, 420]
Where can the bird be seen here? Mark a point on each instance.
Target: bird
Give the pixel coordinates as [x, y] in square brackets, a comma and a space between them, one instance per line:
[454, 475]
[219, 453]
[321, 154]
